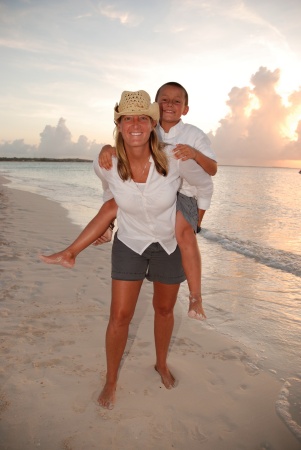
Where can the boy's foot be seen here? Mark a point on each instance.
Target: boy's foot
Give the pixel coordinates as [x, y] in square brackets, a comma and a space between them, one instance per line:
[195, 310]
[64, 258]
[167, 378]
[107, 396]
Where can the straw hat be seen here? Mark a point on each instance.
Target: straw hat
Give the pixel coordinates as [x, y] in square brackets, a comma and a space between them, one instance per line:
[136, 104]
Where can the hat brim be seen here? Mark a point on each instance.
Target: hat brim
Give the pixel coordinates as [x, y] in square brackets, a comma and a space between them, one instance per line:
[153, 111]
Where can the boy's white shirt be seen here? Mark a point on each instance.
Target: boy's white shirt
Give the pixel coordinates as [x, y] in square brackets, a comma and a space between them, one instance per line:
[185, 133]
[147, 212]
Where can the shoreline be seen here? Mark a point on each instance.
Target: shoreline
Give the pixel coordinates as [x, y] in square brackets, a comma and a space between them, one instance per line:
[33, 159]
[15, 159]
[53, 332]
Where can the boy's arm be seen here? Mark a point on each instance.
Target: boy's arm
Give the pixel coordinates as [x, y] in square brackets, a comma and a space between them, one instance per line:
[208, 164]
[184, 152]
[105, 156]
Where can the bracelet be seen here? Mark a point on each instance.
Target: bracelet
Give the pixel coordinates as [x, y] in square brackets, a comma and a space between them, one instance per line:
[112, 226]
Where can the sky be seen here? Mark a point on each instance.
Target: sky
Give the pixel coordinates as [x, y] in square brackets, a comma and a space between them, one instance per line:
[65, 63]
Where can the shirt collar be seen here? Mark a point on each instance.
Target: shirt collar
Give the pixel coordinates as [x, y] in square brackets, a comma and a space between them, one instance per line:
[173, 132]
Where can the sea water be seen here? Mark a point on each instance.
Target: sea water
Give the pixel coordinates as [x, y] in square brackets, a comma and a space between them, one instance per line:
[251, 257]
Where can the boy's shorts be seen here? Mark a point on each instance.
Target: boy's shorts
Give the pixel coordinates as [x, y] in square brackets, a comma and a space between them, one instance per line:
[155, 264]
[188, 206]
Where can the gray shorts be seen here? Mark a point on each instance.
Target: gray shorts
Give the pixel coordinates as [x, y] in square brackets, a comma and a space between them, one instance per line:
[188, 206]
[155, 264]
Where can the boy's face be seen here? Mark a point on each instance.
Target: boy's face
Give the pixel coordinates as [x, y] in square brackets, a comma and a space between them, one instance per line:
[171, 100]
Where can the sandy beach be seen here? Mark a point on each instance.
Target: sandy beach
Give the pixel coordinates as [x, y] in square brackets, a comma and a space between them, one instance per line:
[53, 323]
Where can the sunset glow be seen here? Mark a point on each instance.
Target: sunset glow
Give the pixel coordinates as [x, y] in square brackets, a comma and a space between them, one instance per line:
[290, 128]
[64, 66]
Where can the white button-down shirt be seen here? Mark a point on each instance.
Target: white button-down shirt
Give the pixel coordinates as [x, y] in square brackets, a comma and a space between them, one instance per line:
[185, 133]
[147, 212]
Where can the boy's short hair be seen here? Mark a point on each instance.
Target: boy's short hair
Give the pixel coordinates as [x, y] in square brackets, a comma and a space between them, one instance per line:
[174, 84]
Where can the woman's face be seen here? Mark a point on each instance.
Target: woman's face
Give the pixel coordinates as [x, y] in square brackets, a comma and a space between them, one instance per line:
[136, 130]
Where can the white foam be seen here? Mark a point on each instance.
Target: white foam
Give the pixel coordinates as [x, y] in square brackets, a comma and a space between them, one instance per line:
[288, 405]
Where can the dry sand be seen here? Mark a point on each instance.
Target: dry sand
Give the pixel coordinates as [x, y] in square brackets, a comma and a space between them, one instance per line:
[53, 323]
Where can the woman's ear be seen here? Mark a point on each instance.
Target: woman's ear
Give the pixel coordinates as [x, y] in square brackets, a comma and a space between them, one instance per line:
[154, 123]
[118, 125]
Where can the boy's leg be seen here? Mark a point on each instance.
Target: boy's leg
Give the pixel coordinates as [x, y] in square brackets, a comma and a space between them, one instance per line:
[92, 231]
[201, 213]
[191, 261]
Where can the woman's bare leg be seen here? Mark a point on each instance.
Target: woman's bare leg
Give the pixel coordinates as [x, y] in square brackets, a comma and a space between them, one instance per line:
[191, 261]
[95, 228]
[124, 299]
[165, 296]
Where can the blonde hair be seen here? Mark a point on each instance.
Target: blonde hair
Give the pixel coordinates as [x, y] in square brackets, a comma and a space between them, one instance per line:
[156, 149]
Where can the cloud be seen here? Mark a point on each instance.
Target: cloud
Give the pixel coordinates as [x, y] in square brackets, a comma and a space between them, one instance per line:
[114, 13]
[258, 128]
[55, 142]
[293, 149]
[261, 128]
[17, 148]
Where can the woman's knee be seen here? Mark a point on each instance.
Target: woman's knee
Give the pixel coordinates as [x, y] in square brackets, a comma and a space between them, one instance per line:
[120, 318]
[164, 311]
[165, 297]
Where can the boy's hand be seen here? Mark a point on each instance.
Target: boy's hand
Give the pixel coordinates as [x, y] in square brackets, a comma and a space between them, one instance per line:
[106, 237]
[184, 152]
[105, 156]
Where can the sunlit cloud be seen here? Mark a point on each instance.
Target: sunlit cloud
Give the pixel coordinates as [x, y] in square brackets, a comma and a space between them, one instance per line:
[256, 128]
[77, 67]
[259, 129]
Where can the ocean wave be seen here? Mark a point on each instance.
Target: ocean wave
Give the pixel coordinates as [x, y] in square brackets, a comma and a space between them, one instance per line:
[278, 259]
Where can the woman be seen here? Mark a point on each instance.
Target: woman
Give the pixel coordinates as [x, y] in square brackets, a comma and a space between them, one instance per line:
[144, 182]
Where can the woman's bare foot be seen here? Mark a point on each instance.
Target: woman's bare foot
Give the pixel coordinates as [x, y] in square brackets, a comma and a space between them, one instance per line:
[107, 396]
[167, 378]
[64, 258]
[195, 310]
